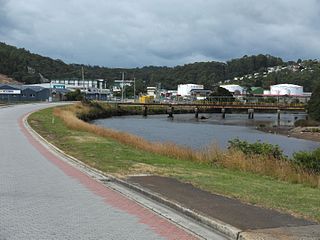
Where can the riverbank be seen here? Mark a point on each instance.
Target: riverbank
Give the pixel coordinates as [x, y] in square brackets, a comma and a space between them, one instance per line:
[295, 132]
[124, 160]
[305, 133]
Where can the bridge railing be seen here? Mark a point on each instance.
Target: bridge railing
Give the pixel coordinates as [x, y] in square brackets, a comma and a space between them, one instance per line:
[240, 105]
[236, 103]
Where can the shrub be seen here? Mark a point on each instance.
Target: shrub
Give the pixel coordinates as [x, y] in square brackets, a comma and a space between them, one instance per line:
[313, 105]
[306, 123]
[308, 160]
[315, 130]
[257, 148]
[75, 95]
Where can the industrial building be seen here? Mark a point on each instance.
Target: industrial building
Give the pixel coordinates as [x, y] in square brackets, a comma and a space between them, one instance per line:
[286, 89]
[152, 91]
[185, 89]
[59, 88]
[48, 92]
[74, 84]
[23, 93]
[200, 94]
[256, 90]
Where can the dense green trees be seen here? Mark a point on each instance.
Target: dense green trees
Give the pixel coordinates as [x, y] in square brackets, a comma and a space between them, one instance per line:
[26, 67]
[246, 65]
[219, 91]
[221, 94]
[314, 104]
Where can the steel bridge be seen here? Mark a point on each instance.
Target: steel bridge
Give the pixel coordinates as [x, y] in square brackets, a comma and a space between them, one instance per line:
[226, 105]
[198, 106]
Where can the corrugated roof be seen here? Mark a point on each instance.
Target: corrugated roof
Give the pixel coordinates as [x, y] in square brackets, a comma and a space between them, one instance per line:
[23, 87]
[9, 86]
[33, 88]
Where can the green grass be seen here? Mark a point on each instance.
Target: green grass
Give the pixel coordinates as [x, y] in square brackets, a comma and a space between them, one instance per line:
[121, 160]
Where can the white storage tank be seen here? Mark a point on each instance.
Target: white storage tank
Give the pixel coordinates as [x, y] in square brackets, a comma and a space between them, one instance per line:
[185, 89]
[233, 88]
[286, 89]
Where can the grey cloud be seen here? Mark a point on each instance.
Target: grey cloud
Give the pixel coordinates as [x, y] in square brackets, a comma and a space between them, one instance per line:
[126, 33]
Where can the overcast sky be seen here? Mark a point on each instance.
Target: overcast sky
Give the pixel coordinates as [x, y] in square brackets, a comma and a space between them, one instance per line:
[132, 33]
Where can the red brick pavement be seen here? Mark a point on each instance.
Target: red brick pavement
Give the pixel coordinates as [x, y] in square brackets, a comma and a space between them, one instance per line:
[159, 225]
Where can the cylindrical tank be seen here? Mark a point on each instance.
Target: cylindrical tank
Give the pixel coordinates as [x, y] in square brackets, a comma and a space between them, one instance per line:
[286, 89]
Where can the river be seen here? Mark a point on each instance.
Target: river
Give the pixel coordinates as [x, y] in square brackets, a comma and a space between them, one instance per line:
[184, 129]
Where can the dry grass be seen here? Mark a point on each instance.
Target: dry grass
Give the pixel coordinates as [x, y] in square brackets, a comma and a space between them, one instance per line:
[68, 115]
[280, 169]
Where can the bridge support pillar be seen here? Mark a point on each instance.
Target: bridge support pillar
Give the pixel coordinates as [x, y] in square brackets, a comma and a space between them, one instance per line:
[279, 114]
[223, 111]
[307, 115]
[119, 109]
[251, 113]
[145, 111]
[170, 112]
[196, 112]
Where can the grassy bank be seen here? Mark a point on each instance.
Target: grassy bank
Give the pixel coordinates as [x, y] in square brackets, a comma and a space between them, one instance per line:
[120, 159]
[263, 164]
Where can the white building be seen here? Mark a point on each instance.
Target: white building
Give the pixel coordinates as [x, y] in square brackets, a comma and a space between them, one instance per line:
[119, 84]
[185, 89]
[79, 84]
[286, 89]
[233, 88]
[152, 91]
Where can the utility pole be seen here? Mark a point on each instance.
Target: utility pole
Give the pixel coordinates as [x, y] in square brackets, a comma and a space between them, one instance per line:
[122, 87]
[158, 91]
[82, 74]
[134, 89]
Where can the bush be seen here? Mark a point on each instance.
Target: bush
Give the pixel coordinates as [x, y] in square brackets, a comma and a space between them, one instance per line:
[306, 123]
[313, 105]
[315, 130]
[75, 96]
[257, 148]
[308, 160]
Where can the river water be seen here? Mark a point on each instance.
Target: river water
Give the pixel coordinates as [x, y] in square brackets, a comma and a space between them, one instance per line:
[184, 129]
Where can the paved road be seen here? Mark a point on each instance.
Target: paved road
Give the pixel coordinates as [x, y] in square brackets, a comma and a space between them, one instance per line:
[42, 197]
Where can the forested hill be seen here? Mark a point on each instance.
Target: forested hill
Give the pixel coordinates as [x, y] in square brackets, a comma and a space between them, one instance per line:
[26, 67]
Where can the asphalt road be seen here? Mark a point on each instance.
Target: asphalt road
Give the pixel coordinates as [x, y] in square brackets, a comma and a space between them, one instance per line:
[43, 198]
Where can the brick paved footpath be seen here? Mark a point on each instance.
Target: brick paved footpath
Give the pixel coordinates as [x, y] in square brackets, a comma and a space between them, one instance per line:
[41, 197]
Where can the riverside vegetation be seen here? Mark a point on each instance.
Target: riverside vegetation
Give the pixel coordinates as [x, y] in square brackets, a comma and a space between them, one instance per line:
[256, 173]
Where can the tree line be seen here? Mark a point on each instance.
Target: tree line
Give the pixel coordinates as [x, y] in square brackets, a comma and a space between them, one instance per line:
[26, 67]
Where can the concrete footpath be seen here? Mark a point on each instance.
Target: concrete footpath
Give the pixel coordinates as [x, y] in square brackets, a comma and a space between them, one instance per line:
[243, 221]
[230, 217]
